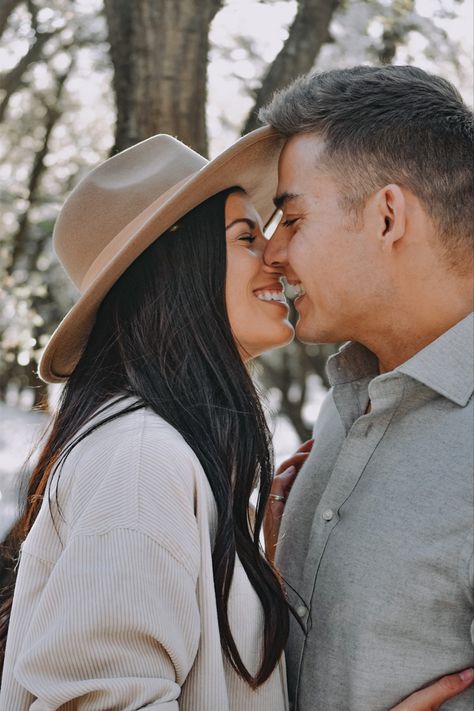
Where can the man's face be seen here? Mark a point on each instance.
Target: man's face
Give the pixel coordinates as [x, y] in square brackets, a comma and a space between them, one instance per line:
[323, 246]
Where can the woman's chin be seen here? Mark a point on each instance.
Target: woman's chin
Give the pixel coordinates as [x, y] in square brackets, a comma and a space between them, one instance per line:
[269, 342]
[287, 337]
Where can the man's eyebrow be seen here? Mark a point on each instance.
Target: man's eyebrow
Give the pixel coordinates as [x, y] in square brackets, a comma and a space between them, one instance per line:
[246, 220]
[283, 198]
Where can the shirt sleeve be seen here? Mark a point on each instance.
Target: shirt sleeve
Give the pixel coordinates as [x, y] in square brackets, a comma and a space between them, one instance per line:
[117, 627]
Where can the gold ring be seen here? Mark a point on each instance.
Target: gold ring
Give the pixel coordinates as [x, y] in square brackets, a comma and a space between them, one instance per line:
[277, 497]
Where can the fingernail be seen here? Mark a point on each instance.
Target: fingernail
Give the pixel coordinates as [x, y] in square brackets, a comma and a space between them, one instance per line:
[291, 469]
[467, 674]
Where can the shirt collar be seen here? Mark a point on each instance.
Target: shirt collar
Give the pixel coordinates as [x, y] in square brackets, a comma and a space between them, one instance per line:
[446, 365]
[353, 362]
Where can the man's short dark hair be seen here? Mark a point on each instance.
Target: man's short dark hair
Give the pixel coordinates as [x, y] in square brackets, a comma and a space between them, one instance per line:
[391, 124]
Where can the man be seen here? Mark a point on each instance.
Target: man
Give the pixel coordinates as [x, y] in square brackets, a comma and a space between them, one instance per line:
[376, 543]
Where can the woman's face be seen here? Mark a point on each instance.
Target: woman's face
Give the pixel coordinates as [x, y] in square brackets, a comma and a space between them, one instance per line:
[256, 305]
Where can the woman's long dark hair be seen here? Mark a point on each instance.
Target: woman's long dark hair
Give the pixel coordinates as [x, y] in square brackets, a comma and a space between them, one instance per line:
[162, 334]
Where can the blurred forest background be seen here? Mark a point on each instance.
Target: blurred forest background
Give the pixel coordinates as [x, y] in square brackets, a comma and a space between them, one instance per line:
[81, 79]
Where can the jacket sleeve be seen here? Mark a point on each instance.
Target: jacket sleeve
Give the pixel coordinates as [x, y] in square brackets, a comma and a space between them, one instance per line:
[117, 627]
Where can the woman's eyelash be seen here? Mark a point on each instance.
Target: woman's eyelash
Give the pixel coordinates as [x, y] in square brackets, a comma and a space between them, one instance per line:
[288, 223]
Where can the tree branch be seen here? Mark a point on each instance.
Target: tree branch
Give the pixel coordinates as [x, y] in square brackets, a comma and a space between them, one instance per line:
[6, 9]
[12, 81]
[309, 31]
[37, 170]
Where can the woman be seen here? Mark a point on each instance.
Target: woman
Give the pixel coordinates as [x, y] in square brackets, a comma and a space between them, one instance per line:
[141, 581]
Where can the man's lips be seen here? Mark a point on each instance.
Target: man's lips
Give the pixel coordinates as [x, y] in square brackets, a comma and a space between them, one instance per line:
[295, 289]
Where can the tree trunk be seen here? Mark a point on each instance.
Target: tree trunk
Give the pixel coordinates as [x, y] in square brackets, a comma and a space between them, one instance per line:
[159, 51]
[308, 33]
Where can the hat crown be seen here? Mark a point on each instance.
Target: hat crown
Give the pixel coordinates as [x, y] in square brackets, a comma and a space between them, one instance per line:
[116, 192]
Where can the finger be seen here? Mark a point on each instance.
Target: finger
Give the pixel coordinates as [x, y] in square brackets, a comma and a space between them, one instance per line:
[299, 456]
[271, 527]
[284, 480]
[296, 460]
[306, 446]
[281, 486]
[429, 699]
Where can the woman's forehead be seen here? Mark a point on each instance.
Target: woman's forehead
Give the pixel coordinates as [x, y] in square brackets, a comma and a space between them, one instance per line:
[239, 204]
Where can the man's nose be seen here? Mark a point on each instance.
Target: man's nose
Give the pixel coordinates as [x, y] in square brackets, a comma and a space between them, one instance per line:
[276, 249]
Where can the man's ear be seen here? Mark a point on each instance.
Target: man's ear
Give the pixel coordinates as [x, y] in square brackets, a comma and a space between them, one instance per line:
[391, 206]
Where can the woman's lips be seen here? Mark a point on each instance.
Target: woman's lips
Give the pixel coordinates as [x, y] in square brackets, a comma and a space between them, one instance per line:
[272, 297]
[271, 293]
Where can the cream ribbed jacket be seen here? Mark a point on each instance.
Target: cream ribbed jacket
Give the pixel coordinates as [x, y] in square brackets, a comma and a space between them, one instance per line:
[116, 609]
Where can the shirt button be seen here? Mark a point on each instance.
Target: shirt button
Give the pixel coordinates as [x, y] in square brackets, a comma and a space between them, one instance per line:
[328, 515]
[301, 610]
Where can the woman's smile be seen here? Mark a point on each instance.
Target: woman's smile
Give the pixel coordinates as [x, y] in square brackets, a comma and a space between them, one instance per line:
[272, 293]
[255, 329]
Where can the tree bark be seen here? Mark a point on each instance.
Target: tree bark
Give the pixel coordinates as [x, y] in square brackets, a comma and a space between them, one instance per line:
[308, 33]
[159, 51]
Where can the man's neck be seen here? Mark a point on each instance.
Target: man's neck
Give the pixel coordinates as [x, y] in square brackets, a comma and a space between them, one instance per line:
[401, 335]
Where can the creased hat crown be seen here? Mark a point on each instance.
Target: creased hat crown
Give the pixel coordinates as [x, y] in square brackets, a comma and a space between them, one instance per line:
[114, 194]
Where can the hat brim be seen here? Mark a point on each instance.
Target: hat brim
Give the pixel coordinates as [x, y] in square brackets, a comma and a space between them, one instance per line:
[250, 163]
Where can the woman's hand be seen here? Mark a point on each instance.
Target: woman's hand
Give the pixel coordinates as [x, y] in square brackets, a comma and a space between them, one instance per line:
[433, 696]
[281, 487]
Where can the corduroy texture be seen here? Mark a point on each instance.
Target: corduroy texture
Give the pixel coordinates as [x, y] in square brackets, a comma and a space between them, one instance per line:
[118, 612]
[126, 203]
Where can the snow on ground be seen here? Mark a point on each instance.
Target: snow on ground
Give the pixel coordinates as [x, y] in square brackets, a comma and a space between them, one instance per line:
[20, 430]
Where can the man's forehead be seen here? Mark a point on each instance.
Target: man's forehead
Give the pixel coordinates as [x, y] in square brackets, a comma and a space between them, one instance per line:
[302, 145]
[302, 170]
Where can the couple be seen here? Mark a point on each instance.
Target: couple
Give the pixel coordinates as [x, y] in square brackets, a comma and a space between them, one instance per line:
[141, 582]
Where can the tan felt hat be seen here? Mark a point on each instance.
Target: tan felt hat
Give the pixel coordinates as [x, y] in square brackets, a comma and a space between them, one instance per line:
[124, 204]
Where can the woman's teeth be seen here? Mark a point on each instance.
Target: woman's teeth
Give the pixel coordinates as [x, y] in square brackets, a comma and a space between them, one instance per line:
[272, 296]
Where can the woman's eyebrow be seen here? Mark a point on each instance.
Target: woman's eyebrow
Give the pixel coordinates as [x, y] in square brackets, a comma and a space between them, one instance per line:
[246, 220]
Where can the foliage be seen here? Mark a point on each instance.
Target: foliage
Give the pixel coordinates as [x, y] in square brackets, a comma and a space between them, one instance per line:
[58, 116]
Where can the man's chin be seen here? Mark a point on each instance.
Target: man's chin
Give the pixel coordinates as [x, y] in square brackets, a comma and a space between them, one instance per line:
[311, 333]
[306, 333]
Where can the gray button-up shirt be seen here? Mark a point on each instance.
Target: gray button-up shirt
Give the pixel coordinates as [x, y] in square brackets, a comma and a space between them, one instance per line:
[377, 536]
